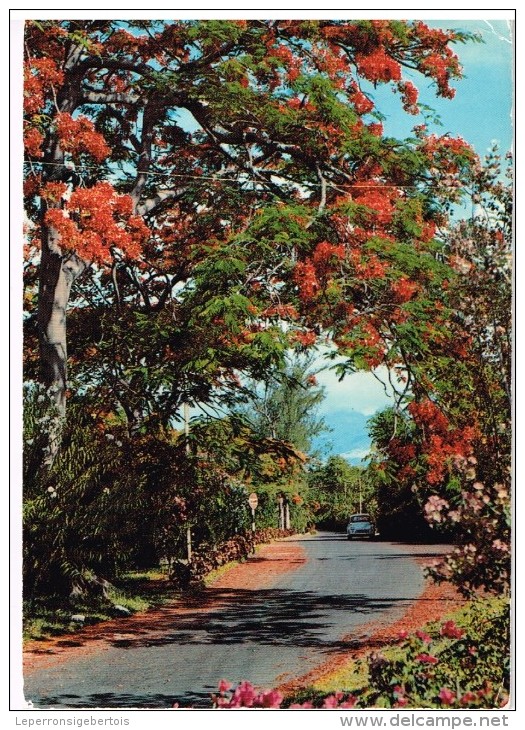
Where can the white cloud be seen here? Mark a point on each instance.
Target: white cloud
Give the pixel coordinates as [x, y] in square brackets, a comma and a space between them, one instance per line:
[360, 392]
[355, 454]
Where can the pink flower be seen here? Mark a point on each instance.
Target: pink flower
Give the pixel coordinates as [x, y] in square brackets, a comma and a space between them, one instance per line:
[451, 631]
[271, 698]
[308, 705]
[446, 696]
[423, 636]
[427, 659]
[224, 685]
[403, 634]
[330, 702]
[399, 696]
[244, 695]
[401, 702]
[467, 698]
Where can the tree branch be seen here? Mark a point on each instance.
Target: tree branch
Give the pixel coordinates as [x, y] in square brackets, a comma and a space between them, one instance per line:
[90, 96]
[148, 206]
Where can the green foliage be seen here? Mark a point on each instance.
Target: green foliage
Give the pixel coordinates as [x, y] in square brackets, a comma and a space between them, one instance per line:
[80, 513]
[338, 489]
[399, 509]
[50, 615]
[285, 407]
[457, 664]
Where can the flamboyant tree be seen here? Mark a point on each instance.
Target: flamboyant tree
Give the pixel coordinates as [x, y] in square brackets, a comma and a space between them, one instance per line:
[448, 450]
[211, 179]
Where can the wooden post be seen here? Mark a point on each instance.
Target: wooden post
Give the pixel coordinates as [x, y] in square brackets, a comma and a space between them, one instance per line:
[187, 433]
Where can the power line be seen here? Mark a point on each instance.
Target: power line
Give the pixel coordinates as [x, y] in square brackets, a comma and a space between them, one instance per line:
[214, 178]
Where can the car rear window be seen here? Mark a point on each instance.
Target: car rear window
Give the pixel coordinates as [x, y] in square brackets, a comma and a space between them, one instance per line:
[360, 518]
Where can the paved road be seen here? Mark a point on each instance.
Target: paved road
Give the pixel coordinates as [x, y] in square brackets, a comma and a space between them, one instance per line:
[267, 636]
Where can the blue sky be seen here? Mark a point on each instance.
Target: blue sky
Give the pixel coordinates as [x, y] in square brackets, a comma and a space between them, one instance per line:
[481, 110]
[480, 113]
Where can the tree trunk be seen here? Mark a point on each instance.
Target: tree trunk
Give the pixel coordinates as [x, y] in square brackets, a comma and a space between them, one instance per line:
[57, 275]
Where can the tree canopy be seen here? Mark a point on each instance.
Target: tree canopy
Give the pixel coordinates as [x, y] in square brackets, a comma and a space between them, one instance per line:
[281, 199]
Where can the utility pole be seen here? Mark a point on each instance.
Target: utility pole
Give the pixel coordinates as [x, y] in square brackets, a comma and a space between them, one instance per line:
[187, 433]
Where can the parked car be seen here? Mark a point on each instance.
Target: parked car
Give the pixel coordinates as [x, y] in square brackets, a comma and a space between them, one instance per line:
[360, 525]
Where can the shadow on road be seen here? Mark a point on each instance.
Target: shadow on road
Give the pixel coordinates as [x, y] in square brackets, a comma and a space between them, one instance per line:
[277, 618]
[274, 617]
[375, 556]
[108, 700]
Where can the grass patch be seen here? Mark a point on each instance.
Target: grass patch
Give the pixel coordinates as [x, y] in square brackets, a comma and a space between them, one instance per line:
[50, 616]
[217, 573]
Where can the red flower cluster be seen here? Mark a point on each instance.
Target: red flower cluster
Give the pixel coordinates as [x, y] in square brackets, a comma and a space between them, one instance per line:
[428, 414]
[427, 659]
[306, 338]
[40, 75]
[53, 192]
[79, 135]
[290, 62]
[441, 444]
[97, 219]
[32, 185]
[378, 66]
[444, 152]
[428, 232]
[368, 268]
[362, 104]
[376, 128]
[404, 290]
[283, 311]
[440, 69]
[306, 278]
[451, 630]
[332, 62]
[325, 255]
[409, 96]
[33, 139]
[379, 201]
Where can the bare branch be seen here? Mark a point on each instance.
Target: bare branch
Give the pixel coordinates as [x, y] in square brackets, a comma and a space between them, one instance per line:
[149, 205]
[90, 96]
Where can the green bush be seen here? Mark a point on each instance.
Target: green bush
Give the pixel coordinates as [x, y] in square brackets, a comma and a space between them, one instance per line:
[458, 663]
